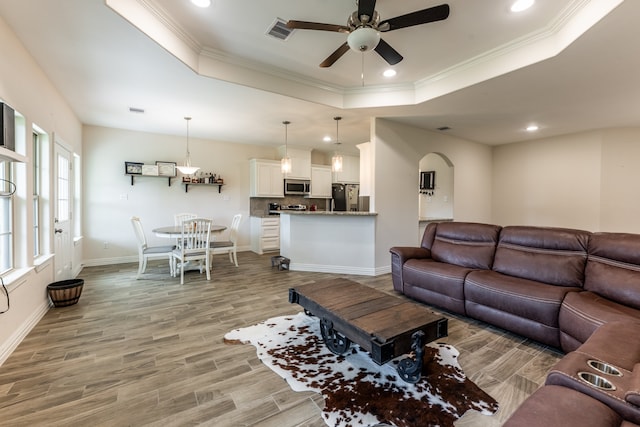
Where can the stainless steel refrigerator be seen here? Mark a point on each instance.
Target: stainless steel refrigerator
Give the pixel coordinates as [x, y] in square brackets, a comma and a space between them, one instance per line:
[345, 197]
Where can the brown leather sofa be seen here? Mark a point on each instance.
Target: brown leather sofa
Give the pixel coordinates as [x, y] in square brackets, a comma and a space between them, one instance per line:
[568, 399]
[553, 285]
[571, 289]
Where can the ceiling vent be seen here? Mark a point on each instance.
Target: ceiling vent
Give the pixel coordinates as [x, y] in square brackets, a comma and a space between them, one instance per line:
[442, 128]
[136, 110]
[279, 29]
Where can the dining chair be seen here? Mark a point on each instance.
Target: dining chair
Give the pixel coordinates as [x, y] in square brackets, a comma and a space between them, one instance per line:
[230, 245]
[178, 218]
[146, 252]
[194, 246]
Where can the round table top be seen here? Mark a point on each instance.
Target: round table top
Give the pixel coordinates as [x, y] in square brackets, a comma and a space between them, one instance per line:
[176, 230]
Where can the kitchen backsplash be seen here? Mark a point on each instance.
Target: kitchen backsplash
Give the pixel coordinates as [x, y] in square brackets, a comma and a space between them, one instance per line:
[260, 205]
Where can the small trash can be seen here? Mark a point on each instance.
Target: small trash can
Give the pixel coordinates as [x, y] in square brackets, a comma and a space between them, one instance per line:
[65, 292]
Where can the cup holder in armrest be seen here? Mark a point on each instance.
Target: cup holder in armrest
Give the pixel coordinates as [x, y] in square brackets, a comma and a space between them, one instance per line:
[596, 381]
[605, 368]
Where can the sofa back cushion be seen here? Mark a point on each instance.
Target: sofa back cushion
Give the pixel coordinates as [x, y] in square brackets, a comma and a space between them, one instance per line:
[613, 267]
[466, 244]
[554, 256]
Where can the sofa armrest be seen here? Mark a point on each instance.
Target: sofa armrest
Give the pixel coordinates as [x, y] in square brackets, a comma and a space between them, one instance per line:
[400, 255]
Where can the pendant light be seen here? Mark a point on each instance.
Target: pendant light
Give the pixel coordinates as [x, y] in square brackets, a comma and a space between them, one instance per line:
[285, 163]
[186, 168]
[336, 160]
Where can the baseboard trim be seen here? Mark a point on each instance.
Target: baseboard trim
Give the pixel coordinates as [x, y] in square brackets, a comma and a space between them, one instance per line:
[338, 269]
[16, 338]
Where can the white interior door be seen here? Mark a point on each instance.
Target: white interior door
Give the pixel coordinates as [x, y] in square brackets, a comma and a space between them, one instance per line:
[63, 243]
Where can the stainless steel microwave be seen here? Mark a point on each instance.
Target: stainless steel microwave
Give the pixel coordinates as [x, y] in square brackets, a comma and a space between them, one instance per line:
[299, 187]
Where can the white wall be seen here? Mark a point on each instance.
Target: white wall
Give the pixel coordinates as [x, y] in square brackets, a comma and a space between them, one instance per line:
[110, 200]
[25, 87]
[549, 182]
[438, 203]
[396, 151]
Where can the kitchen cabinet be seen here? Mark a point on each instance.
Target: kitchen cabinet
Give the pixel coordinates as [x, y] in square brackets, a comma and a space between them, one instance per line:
[300, 162]
[320, 182]
[265, 234]
[350, 170]
[266, 178]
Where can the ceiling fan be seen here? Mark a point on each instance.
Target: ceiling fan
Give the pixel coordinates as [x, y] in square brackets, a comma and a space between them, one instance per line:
[364, 28]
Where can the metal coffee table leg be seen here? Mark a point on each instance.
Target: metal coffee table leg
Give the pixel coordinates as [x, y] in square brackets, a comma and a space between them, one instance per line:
[336, 342]
[409, 368]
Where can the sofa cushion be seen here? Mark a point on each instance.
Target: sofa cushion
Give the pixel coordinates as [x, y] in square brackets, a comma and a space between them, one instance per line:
[582, 313]
[610, 343]
[465, 244]
[435, 283]
[523, 306]
[613, 267]
[555, 256]
[554, 405]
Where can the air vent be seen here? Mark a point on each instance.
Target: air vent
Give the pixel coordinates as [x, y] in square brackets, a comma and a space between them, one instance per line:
[444, 128]
[279, 29]
[136, 110]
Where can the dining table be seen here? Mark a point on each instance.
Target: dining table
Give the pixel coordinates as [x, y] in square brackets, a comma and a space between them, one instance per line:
[174, 231]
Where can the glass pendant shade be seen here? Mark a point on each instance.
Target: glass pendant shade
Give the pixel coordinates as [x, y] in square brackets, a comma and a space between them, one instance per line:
[285, 163]
[336, 160]
[336, 163]
[186, 167]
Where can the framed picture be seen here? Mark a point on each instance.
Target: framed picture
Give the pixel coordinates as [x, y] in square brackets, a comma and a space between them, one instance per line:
[427, 180]
[166, 168]
[150, 170]
[133, 168]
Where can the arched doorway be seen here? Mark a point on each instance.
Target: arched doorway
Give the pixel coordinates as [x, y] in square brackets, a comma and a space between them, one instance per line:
[436, 203]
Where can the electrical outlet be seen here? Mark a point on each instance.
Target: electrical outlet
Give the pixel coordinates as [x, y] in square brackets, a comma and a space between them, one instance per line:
[225, 198]
[106, 245]
[124, 196]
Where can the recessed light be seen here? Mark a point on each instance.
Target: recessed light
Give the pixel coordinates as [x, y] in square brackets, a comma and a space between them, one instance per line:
[520, 5]
[389, 73]
[327, 139]
[532, 128]
[201, 3]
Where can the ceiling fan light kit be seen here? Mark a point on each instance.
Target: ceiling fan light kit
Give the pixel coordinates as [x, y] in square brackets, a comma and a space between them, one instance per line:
[186, 167]
[363, 39]
[364, 28]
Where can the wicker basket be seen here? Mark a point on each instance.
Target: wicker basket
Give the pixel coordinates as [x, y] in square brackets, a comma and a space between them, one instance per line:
[65, 292]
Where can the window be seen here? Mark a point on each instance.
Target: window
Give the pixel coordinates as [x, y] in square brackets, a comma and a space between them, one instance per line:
[7, 189]
[37, 173]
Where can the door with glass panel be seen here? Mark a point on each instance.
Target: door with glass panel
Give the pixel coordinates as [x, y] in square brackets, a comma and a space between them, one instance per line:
[63, 243]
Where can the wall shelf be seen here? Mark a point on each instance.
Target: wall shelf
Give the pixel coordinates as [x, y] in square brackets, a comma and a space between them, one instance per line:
[187, 184]
[133, 175]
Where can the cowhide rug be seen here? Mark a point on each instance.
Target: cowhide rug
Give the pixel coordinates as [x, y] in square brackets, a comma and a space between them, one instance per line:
[357, 391]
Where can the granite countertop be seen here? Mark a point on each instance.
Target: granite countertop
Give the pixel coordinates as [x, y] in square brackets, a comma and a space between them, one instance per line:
[329, 213]
[433, 219]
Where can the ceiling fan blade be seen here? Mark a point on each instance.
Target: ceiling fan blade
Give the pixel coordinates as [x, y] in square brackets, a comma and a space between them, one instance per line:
[432, 14]
[366, 7]
[388, 53]
[335, 55]
[304, 25]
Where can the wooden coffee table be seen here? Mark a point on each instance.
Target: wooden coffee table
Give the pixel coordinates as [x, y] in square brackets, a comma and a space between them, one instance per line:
[384, 325]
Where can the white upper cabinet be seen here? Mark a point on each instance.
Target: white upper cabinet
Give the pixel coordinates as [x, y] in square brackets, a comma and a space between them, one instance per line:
[320, 182]
[300, 162]
[350, 170]
[266, 179]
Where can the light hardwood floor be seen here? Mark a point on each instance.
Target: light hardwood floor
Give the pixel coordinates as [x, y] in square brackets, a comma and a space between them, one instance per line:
[150, 352]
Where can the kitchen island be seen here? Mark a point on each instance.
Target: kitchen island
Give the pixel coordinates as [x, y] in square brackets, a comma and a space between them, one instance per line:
[329, 242]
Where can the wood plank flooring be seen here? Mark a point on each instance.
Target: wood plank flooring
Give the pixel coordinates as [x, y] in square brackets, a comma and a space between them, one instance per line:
[150, 352]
